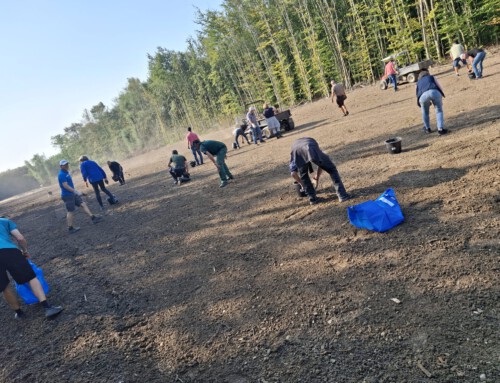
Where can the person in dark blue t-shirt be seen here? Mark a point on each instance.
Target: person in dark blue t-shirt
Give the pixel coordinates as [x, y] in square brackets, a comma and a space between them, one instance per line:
[430, 92]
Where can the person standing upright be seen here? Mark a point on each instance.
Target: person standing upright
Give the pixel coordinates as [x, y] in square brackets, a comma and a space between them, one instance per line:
[191, 137]
[338, 95]
[457, 54]
[391, 72]
[272, 122]
[216, 152]
[92, 172]
[430, 92]
[72, 197]
[13, 259]
[254, 125]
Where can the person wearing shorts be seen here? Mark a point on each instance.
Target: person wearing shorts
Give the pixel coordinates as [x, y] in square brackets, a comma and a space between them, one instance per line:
[13, 259]
[338, 94]
[457, 54]
[71, 197]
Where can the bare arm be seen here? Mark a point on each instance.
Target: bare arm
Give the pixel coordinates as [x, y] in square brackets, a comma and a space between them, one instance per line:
[68, 188]
[212, 159]
[23, 244]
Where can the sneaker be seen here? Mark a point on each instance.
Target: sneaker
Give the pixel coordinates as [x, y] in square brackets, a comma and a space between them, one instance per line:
[20, 315]
[179, 182]
[427, 130]
[73, 230]
[345, 198]
[97, 219]
[101, 208]
[230, 177]
[52, 311]
[223, 184]
[347, 113]
[442, 132]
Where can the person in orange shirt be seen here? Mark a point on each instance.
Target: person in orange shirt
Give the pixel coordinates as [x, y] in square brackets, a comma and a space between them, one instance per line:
[391, 73]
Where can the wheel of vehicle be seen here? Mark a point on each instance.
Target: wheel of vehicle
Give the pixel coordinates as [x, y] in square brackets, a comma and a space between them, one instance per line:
[291, 124]
[284, 125]
[383, 85]
[411, 77]
[267, 132]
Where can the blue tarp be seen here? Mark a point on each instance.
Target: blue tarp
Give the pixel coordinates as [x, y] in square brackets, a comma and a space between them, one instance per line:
[380, 215]
[24, 290]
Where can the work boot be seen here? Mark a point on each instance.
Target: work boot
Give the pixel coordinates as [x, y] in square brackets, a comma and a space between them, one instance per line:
[52, 311]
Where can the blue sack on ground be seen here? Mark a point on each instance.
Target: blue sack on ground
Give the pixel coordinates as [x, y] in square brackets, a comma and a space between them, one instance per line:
[380, 215]
[24, 290]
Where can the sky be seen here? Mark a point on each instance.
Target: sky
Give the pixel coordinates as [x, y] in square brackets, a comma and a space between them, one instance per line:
[59, 57]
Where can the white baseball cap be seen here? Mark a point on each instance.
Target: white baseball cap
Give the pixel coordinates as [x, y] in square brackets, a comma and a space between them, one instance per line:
[63, 162]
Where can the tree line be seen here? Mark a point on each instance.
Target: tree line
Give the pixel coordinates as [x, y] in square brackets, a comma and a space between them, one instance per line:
[283, 51]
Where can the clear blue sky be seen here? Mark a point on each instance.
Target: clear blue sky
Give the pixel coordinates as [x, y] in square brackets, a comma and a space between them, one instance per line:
[59, 57]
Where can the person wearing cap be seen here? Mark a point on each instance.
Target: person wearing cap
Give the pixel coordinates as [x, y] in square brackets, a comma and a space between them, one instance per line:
[191, 137]
[13, 259]
[272, 122]
[117, 171]
[72, 197]
[254, 125]
[216, 152]
[92, 172]
[306, 151]
[339, 96]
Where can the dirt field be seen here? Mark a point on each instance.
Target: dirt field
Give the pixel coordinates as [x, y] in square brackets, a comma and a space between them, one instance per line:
[249, 283]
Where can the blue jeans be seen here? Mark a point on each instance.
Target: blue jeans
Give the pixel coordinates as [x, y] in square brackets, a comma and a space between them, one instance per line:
[256, 134]
[197, 151]
[432, 96]
[239, 133]
[477, 64]
[393, 79]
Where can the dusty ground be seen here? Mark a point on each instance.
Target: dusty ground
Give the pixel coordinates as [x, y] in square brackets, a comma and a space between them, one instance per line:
[251, 284]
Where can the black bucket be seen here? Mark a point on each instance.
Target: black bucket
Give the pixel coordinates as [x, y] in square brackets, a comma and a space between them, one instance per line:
[393, 145]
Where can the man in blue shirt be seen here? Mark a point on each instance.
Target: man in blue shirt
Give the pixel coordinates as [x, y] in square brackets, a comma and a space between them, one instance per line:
[72, 197]
[92, 172]
[13, 260]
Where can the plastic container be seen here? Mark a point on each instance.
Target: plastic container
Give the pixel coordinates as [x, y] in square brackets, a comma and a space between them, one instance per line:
[393, 145]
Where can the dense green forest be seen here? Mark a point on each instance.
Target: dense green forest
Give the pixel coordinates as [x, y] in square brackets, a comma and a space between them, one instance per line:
[283, 51]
